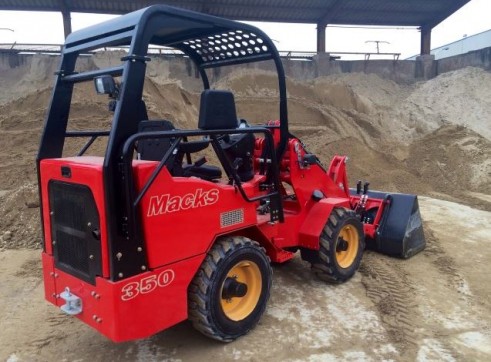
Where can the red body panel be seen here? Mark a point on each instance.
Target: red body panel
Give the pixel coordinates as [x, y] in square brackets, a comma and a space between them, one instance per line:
[48, 276]
[305, 217]
[182, 216]
[136, 307]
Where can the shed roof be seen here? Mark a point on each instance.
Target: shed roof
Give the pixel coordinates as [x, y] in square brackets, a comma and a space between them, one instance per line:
[425, 13]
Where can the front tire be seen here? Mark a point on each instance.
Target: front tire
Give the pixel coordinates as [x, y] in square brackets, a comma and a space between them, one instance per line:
[342, 242]
[229, 293]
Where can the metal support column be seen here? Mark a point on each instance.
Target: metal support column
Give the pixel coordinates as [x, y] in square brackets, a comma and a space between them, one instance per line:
[425, 40]
[67, 22]
[321, 38]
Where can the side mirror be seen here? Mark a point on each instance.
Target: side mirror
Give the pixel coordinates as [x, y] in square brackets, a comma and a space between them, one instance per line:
[105, 84]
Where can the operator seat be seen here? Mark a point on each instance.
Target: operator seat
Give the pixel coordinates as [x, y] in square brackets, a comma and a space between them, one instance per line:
[217, 111]
[154, 149]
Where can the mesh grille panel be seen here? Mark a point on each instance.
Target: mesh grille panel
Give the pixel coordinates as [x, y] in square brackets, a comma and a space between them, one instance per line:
[74, 220]
[233, 217]
[72, 251]
[227, 46]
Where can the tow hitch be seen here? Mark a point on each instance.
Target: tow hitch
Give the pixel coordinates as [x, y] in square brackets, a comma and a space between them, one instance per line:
[73, 304]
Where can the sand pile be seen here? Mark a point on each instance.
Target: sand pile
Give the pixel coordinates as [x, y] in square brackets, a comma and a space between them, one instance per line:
[21, 124]
[170, 101]
[379, 125]
[461, 97]
[431, 138]
[20, 226]
[332, 109]
[30, 75]
[454, 161]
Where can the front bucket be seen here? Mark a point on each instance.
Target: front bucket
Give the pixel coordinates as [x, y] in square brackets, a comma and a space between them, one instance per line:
[400, 232]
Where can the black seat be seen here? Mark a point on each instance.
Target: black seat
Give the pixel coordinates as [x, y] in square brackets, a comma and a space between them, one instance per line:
[154, 149]
[217, 111]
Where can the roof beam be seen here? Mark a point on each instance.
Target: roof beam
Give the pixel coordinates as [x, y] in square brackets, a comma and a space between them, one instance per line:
[330, 13]
[442, 16]
[251, 13]
[408, 13]
[407, 18]
[205, 5]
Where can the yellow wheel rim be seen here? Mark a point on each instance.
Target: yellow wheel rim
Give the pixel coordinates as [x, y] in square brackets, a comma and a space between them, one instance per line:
[239, 308]
[351, 240]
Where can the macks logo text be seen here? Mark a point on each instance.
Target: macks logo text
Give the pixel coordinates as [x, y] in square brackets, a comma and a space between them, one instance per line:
[166, 203]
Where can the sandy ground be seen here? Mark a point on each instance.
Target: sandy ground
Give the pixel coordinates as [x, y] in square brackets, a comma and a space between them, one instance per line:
[431, 138]
[433, 307]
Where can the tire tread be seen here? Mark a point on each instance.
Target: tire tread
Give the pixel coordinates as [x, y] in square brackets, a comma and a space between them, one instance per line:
[202, 283]
[325, 268]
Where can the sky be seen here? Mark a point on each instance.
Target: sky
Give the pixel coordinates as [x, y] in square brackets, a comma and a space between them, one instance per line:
[473, 18]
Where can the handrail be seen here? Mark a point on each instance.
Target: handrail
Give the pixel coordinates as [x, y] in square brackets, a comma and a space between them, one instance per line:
[56, 49]
[86, 133]
[81, 77]
[92, 134]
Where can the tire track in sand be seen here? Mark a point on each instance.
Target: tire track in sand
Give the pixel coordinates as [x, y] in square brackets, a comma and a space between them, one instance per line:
[389, 289]
[446, 265]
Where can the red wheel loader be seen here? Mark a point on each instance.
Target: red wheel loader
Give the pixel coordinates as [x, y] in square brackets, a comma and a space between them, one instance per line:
[151, 234]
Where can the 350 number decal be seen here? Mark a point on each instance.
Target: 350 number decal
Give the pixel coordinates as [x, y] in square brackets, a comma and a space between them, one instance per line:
[147, 285]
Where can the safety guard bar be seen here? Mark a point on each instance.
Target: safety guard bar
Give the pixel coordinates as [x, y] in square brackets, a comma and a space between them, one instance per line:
[92, 134]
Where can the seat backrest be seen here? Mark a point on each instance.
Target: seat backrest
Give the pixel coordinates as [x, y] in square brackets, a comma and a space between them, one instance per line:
[217, 110]
[153, 149]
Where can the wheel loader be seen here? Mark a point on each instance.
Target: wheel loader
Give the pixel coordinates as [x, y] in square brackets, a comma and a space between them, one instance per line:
[152, 234]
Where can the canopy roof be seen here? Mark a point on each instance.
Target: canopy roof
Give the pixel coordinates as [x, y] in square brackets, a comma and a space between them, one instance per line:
[425, 13]
[208, 40]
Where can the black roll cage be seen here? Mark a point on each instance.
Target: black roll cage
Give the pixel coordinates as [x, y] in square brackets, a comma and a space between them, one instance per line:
[209, 42]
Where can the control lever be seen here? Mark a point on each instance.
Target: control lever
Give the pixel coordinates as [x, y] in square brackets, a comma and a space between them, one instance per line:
[309, 159]
[358, 187]
[200, 161]
[237, 163]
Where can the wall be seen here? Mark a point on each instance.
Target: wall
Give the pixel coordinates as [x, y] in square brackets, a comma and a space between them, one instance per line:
[462, 46]
[479, 58]
[400, 71]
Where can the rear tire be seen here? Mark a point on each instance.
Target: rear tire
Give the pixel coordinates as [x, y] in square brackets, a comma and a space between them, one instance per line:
[229, 293]
[342, 242]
